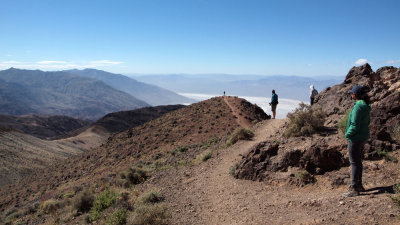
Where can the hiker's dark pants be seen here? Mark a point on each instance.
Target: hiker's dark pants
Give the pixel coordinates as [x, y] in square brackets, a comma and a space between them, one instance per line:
[355, 158]
[311, 101]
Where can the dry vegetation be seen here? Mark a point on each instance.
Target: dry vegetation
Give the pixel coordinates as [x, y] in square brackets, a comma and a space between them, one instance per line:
[304, 121]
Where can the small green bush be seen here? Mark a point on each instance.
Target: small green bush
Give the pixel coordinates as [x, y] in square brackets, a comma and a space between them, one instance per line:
[304, 121]
[396, 133]
[207, 156]
[119, 217]
[151, 197]
[343, 122]
[233, 169]
[149, 214]
[240, 134]
[396, 188]
[396, 200]
[50, 206]
[386, 155]
[304, 178]
[102, 202]
[83, 202]
[134, 175]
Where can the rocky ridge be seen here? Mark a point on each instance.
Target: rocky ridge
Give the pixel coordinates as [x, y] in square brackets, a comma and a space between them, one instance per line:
[327, 150]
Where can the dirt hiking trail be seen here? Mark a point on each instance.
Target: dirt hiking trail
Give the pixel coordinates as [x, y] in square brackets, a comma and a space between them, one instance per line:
[207, 194]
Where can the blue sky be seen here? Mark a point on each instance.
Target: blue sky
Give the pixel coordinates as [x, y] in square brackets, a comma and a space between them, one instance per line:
[311, 38]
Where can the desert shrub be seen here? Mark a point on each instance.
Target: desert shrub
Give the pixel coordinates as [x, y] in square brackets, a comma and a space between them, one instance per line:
[151, 197]
[304, 177]
[32, 208]
[134, 175]
[386, 155]
[304, 121]
[343, 122]
[149, 214]
[50, 206]
[83, 202]
[396, 200]
[233, 169]
[102, 202]
[240, 134]
[207, 156]
[119, 217]
[396, 133]
[396, 188]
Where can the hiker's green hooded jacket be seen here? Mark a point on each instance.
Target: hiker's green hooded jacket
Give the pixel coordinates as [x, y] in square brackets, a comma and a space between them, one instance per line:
[357, 125]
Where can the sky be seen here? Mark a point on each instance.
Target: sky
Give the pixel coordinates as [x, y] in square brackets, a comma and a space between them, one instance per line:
[299, 37]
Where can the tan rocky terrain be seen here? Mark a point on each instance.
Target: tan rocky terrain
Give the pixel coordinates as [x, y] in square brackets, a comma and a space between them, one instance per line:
[21, 154]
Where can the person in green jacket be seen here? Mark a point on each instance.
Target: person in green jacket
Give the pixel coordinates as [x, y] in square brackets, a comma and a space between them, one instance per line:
[357, 133]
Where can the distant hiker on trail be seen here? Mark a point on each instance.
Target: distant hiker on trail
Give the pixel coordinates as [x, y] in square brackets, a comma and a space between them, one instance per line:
[274, 102]
[357, 133]
[224, 93]
[313, 93]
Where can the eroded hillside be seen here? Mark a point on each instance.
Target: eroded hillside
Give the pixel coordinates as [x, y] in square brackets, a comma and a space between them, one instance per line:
[176, 139]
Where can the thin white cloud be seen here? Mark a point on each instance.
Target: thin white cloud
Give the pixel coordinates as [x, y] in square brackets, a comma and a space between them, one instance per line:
[393, 61]
[10, 62]
[51, 62]
[105, 62]
[361, 61]
[59, 65]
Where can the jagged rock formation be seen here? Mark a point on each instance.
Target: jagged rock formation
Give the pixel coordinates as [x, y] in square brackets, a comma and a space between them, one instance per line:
[327, 150]
[383, 86]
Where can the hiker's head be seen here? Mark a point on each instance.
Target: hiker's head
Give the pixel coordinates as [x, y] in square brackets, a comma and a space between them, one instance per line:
[273, 91]
[312, 86]
[358, 92]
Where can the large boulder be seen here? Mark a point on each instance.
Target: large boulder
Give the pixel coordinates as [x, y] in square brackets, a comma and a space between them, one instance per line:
[264, 158]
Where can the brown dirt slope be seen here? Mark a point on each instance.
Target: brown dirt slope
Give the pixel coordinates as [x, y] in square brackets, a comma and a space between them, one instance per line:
[192, 128]
[43, 127]
[208, 194]
[22, 154]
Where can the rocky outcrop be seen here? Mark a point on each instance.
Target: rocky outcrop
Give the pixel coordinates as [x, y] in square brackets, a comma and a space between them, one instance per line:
[383, 92]
[316, 157]
[327, 151]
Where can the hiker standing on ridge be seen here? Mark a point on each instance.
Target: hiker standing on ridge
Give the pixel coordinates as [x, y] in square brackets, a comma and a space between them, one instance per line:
[313, 93]
[357, 133]
[274, 102]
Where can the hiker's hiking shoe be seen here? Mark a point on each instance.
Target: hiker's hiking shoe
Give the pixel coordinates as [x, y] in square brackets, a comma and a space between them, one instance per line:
[351, 193]
[360, 188]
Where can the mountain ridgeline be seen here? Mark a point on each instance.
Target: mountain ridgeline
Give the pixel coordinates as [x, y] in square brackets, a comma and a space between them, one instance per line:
[151, 94]
[60, 93]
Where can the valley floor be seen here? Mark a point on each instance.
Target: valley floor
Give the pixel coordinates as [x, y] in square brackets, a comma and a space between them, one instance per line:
[208, 194]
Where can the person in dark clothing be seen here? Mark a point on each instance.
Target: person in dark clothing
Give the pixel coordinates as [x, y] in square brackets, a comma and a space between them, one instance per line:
[357, 133]
[273, 103]
[313, 93]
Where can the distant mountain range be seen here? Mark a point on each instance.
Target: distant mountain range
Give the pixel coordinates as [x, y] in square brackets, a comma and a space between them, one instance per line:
[149, 93]
[291, 87]
[60, 93]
